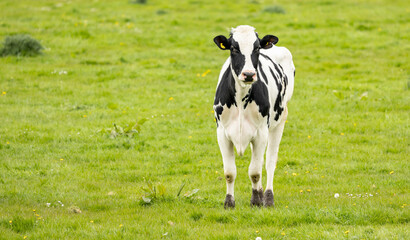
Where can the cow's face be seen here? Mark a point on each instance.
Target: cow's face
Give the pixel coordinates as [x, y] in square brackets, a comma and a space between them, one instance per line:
[244, 45]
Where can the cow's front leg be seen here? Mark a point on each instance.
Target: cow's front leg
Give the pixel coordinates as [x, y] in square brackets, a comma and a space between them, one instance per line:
[228, 157]
[275, 135]
[258, 146]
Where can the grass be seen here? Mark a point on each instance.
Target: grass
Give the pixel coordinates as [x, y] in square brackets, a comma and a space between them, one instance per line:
[107, 63]
[20, 45]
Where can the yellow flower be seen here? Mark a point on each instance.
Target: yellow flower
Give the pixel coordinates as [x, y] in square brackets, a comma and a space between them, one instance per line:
[391, 172]
[7, 143]
[308, 190]
[10, 222]
[3, 93]
[216, 172]
[294, 174]
[205, 73]
[342, 134]
[301, 191]
[91, 221]
[309, 136]
[61, 159]
[322, 176]
[84, 116]
[121, 225]
[307, 172]
[347, 232]
[283, 233]
[24, 237]
[170, 99]
[286, 206]
[256, 230]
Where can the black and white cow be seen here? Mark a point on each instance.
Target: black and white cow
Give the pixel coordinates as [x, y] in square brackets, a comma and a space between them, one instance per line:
[254, 86]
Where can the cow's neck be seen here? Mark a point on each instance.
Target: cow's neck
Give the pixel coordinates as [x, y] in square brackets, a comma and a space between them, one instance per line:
[241, 91]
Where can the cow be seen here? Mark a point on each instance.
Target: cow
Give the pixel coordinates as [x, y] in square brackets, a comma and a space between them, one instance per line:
[255, 84]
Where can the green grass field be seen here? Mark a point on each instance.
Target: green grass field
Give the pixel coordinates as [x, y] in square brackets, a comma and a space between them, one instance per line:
[63, 174]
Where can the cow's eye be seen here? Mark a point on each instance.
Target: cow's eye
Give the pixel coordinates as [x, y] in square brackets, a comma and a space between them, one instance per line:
[235, 50]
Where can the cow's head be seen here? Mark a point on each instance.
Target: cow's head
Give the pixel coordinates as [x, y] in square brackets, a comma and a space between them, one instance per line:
[244, 45]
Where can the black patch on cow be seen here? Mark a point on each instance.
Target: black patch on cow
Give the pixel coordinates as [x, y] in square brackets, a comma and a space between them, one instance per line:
[258, 93]
[281, 85]
[277, 107]
[225, 93]
[255, 53]
[262, 72]
[237, 58]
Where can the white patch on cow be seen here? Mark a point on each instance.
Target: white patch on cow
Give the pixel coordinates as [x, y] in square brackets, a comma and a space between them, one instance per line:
[245, 36]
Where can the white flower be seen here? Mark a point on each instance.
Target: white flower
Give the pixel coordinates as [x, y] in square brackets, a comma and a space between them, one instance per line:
[48, 204]
[336, 195]
[258, 238]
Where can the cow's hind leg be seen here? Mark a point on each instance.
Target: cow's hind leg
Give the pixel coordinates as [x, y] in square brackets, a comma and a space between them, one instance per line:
[228, 157]
[275, 136]
[255, 168]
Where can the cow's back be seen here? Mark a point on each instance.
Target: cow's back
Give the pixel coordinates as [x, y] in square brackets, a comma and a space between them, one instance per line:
[277, 70]
[283, 57]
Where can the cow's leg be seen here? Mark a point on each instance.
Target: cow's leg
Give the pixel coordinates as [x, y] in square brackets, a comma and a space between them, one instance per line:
[275, 135]
[258, 146]
[228, 157]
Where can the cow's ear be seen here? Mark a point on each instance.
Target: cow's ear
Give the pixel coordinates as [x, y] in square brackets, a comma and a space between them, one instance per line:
[268, 41]
[222, 42]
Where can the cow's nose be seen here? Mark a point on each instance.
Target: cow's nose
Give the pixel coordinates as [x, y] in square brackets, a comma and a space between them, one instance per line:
[248, 76]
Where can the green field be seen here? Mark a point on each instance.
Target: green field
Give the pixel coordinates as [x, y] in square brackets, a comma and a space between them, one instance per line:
[66, 172]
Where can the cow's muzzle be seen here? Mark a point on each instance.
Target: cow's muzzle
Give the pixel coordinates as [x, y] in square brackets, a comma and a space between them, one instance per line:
[249, 76]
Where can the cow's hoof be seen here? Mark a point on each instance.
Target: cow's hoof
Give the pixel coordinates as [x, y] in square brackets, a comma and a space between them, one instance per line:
[268, 199]
[257, 198]
[229, 202]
